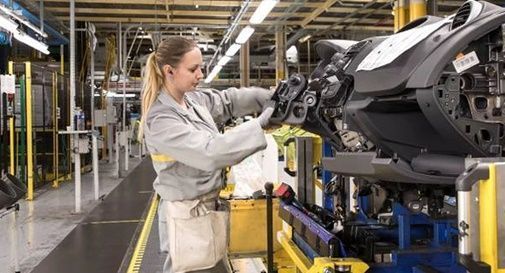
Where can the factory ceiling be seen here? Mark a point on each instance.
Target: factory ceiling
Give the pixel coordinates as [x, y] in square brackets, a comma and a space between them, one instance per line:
[208, 20]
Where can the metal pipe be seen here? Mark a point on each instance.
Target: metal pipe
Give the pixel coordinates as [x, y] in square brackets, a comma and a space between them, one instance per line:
[123, 125]
[120, 43]
[72, 64]
[41, 16]
[41, 12]
[29, 127]
[93, 133]
[136, 54]
[77, 171]
[95, 164]
[62, 59]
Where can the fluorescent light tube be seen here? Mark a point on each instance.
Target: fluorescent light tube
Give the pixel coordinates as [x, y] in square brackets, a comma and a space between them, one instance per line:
[262, 11]
[8, 24]
[224, 60]
[23, 21]
[304, 39]
[244, 35]
[111, 94]
[29, 41]
[232, 50]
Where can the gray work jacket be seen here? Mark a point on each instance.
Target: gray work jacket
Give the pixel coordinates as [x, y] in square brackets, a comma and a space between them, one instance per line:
[190, 138]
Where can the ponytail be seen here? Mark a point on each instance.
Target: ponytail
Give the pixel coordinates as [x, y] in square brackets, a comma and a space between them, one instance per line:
[169, 51]
[153, 82]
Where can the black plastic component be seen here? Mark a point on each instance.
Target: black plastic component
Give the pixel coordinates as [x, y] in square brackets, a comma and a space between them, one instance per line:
[438, 164]
[367, 165]
[7, 195]
[16, 184]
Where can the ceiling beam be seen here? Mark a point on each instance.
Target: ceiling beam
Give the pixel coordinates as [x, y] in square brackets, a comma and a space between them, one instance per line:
[210, 3]
[354, 28]
[350, 10]
[322, 8]
[364, 21]
[188, 21]
[224, 14]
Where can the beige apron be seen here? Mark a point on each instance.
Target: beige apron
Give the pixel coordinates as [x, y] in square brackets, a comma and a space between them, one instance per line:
[197, 232]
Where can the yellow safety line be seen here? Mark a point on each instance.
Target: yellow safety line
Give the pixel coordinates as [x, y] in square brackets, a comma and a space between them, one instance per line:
[140, 247]
[116, 222]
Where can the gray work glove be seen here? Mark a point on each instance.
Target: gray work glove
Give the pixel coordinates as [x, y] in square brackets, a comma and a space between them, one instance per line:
[266, 115]
[264, 118]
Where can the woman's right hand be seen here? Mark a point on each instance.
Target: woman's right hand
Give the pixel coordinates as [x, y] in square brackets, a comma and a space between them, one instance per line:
[266, 114]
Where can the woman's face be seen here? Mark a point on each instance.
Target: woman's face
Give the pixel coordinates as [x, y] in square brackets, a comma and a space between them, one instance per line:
[188, 73]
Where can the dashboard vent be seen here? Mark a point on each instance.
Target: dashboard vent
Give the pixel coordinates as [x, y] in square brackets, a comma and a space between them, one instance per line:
[462, 15]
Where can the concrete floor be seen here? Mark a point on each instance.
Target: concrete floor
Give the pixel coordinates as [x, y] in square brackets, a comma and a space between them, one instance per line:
[44, 222]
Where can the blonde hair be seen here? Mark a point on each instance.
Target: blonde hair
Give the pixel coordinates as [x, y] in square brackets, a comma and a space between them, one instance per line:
[169, 51]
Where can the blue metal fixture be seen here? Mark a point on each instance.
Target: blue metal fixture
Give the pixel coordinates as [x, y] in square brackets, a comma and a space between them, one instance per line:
[55, 37]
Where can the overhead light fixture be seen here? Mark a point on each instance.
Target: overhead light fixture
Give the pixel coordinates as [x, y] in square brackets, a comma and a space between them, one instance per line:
[22, 20]
[304, 39]
[224, 60]
[8, 24]
[244, 35]
[29, 41]
[232, 50]
[262, 11]
[213, 73]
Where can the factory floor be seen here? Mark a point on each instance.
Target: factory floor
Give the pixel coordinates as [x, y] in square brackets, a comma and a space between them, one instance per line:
[46, 221]
[104, 236]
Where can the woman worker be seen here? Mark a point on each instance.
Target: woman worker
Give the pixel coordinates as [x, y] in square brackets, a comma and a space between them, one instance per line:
[189, 153]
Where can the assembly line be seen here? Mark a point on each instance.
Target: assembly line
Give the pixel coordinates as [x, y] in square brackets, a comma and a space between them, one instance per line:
[252, 136]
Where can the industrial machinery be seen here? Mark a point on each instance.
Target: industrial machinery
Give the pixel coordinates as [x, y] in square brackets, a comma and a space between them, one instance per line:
[401, 114]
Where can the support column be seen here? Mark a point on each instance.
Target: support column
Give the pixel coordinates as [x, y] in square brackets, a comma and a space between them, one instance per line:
[29, 130]
[417, 9]
[93, 132]
[41, 18]
[245, 65]
[72, 65]
[280, 55]
[62, 59]
[396, 15]
[403, 13]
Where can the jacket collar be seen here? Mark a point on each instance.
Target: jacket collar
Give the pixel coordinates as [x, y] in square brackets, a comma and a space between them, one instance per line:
[168, 100]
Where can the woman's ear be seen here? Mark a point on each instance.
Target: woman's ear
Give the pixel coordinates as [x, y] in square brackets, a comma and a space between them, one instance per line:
[168, 70]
